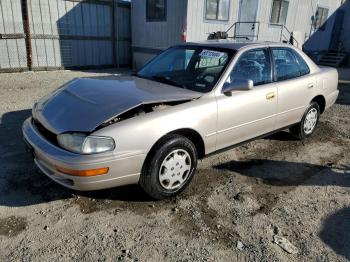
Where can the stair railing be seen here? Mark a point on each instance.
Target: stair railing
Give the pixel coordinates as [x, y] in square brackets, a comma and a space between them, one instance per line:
[236, 25]
[256, 24]
[290, 39]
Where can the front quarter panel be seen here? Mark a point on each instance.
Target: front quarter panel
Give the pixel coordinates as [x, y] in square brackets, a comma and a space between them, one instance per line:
[137, 135]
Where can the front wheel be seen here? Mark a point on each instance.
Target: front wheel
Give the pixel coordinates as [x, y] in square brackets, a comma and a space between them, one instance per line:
[170, 167]
[308, 123]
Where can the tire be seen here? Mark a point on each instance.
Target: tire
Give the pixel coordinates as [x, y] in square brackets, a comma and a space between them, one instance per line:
[170, 167]
[308, 123]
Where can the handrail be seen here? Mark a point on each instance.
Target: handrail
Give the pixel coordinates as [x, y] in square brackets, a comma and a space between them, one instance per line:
[283, 27]
[234, 25]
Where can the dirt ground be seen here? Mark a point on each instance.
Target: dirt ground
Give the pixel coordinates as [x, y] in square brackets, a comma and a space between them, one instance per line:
[237, 204]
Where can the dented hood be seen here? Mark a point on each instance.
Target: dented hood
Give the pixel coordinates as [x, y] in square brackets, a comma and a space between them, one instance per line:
[84, 104]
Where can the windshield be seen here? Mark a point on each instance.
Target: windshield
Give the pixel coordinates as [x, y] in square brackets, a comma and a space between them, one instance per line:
[190, 67]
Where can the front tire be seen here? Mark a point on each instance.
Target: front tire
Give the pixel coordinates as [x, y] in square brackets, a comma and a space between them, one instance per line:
[170, 167]
[308, 123]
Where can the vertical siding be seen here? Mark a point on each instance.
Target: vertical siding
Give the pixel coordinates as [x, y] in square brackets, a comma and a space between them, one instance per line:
[12, 51]
[123, 32]
[298, 20]
[11, 17]
[163, 34]
[59, 19]
[198, 28]
[65, 33]
[158, 34]
[269, 32]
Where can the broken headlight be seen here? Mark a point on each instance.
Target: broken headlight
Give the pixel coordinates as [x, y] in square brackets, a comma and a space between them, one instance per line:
[83, 144]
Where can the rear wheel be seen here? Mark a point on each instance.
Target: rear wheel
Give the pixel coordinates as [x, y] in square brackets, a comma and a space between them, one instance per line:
[170, 168]
[308, 123]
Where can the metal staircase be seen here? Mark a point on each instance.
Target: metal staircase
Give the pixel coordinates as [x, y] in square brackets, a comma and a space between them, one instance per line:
[333, 58]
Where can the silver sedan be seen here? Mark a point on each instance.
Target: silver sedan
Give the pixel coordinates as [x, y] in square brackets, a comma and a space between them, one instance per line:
[190, 101]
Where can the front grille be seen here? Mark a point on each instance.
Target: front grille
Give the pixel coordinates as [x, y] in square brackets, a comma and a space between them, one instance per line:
[51, 137]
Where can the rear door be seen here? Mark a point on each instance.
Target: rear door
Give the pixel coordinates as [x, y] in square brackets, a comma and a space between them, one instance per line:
[294, 83]
[243, 115]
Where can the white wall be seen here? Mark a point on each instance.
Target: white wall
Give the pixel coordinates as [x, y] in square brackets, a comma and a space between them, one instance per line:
[157, 34]
[12, 51]
[298, 20]
[198, 28]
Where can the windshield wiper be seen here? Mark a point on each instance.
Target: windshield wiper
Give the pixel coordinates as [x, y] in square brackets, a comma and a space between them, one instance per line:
[166, 80]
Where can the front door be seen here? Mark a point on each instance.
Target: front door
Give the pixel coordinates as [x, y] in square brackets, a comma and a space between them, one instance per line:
[243, 115]
[247, 28]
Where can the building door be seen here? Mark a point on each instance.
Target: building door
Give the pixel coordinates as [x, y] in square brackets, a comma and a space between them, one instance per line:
[337, 29]
[247, 28]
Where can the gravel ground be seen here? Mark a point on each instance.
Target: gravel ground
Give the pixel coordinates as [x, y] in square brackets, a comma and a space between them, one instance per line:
[254, 203]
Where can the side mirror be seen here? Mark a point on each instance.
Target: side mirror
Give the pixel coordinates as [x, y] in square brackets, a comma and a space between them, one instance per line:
[238, 84]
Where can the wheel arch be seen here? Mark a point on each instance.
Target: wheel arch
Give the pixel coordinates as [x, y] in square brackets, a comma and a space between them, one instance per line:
[194, 136]
[321, 101]
[189, 133]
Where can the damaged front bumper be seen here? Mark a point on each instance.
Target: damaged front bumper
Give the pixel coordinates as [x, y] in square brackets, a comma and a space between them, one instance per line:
[47, 156]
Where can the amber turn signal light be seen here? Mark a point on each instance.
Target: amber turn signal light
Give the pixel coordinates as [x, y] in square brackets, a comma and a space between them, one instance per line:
[83, 173]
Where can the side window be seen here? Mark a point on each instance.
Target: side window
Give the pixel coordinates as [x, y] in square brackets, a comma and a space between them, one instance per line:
[217, 10]
[279, 12]
[286, 64]
[155, 10]
[253, 65]
[321, 18]
[304, 68]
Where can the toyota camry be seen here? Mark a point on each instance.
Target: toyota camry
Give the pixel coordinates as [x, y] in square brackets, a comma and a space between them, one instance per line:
[192, 100]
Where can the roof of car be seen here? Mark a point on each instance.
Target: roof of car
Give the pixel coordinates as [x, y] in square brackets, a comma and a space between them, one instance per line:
[230, 44]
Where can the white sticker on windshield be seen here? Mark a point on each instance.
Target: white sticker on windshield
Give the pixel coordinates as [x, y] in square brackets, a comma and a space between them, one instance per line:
[211, 54]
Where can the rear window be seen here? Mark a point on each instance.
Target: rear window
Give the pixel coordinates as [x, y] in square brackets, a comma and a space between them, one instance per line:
[304, 68]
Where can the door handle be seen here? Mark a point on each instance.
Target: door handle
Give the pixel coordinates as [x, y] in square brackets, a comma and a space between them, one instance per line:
[270, 96]
[311, 85]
